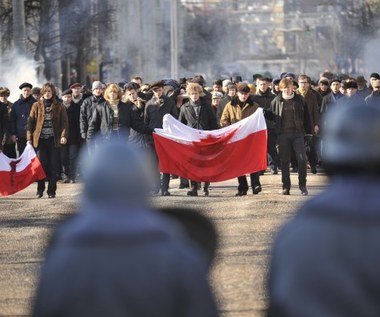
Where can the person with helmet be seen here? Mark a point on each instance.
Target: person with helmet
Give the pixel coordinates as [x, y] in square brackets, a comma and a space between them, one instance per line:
[325, 261]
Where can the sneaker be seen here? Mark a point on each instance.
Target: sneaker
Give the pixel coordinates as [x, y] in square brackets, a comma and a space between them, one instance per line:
[285, 191]
[304, 191]
[51, 196]
[256, 190]
[39, 194]
[314, 170]
[165, 193]
[241, 193]
[206, 191]
[274, 171]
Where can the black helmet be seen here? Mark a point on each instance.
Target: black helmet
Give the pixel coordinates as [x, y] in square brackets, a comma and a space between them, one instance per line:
[352, 137]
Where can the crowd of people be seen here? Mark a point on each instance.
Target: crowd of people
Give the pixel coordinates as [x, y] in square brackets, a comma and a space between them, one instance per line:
[59, 124]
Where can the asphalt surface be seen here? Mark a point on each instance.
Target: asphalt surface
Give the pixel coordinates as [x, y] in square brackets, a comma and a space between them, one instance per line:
[246, 227]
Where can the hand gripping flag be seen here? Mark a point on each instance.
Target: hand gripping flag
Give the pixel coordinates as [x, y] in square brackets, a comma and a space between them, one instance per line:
[17, 174]
[212, 156]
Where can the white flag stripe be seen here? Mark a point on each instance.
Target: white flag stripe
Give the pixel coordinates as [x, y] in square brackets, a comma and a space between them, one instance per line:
[175, 130]
[25, 159]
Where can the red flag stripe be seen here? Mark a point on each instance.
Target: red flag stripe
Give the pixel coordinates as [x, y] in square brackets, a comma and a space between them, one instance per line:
[17, 174]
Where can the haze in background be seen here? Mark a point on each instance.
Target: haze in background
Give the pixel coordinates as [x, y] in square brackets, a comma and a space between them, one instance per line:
[15, 70]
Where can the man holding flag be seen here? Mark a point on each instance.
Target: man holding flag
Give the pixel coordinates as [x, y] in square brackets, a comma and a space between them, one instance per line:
[212, 156]
[239, 108]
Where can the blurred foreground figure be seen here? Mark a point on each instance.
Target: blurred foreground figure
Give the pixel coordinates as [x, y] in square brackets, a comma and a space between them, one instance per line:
[117, 256]
[326, 260]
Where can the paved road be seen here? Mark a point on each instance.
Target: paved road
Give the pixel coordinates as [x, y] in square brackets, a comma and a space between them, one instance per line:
[246, 227]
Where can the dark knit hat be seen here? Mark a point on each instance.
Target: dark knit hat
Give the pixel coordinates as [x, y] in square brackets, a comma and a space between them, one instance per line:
[375, 75]
[67, 92]
[243, 87]
[24, 85]
[335, 80]
[351, 84]
[291, 75]
[361, 80]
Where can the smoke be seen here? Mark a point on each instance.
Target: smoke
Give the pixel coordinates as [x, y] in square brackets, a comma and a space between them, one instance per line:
[371, 55]
[15, 70]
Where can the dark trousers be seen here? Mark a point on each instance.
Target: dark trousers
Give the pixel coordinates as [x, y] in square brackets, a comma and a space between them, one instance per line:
[243, 184]
[10, 150]
[69, 153]
[157, 183]
[287, 142]
[21, 144]
[272, 150]
[48, 154]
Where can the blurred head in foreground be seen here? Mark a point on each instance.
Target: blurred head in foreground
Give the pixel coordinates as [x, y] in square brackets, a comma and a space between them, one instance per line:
[325, 260]
[118, 256]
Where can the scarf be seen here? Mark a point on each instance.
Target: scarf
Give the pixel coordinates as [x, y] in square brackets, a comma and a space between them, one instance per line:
[287, 97]
[302, 92]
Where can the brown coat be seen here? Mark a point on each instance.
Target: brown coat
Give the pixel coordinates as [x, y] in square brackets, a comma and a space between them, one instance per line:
[36, 120]
[232, 113]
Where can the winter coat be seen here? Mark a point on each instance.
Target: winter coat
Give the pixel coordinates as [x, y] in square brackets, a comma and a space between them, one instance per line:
[373, 99]
[264, 99]
[205, 120]
[154, 114]
[136, 137]
[101, 121]
[313, 107]
[36, 120]
[86, 110]
[73, 113]
[325, 261]
[19, 116]
[330, 100]
[301, 114]
[3, 124]
[232, 113]
[118, 263]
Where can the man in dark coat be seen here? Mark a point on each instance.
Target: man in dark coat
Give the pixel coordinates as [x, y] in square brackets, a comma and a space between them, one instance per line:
[155, 109]
[325, 261]
[69, 151]
[263, 98]
[198, 114]
[88, 106]
[19, 116]
[118, 257]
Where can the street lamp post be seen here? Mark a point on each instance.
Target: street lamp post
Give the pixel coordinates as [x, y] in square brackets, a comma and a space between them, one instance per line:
[174, 39]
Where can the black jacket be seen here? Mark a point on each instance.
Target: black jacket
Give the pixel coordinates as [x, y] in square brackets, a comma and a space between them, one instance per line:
[205, 120]
[101, 121]
[19, 116]
[154, 114]
[264, 101]
[301, 114]
[3, 124]
[86, 110]
[73, 113]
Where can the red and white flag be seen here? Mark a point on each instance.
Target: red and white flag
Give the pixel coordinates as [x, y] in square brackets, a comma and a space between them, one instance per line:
[212, 156]
[17, 174]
